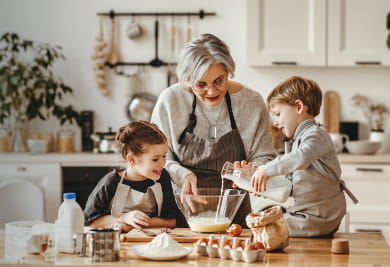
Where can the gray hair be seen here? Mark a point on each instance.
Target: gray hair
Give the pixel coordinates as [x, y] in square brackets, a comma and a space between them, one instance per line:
[197, 56]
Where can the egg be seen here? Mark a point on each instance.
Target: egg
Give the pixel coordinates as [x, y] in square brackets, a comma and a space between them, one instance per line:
[201, 241]
[234, 230]
[258, 245]
[237, 244]
[213, 242]
[249, 247]
[225, 243]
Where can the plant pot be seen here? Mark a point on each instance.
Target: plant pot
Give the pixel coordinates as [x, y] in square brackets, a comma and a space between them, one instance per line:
[378, 136]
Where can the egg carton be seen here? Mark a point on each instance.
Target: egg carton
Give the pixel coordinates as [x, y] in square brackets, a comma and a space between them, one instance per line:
[237, 254]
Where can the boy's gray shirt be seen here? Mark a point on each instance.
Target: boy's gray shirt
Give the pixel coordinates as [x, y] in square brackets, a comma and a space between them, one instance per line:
[312, 153]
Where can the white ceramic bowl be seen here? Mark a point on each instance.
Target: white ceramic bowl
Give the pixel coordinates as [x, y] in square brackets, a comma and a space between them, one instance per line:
[363, 147]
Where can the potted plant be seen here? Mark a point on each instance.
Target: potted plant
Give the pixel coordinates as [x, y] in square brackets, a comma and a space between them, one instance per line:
[375, 113]
[388, 28]
[28, 88]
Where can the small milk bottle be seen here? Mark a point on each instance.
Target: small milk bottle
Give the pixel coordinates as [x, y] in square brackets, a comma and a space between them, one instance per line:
[70, 221]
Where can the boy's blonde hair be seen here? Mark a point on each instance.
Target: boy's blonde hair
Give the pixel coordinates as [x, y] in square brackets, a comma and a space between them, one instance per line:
[298, 88]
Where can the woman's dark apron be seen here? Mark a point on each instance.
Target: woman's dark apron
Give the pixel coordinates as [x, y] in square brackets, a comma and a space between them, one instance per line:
[206, 158]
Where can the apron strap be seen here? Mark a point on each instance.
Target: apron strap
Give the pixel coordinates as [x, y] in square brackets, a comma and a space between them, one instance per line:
[191, 122]
[231, 116]
[349, 193]
[192, 118]
[120, 198]
[158, 194]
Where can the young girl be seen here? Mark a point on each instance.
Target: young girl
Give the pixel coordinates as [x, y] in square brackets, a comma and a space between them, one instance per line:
[141, 194]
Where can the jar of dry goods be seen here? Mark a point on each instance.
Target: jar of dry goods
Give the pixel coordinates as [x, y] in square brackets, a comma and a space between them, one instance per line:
[65, 141]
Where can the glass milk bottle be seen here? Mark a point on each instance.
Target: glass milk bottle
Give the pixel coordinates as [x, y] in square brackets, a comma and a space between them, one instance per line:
[70, 222]
[278, 187]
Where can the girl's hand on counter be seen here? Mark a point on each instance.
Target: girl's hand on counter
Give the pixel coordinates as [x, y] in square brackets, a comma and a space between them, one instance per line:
[136, 219]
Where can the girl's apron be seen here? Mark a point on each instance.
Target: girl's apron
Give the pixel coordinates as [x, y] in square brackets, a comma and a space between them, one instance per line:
[206, 158]
[127, 199]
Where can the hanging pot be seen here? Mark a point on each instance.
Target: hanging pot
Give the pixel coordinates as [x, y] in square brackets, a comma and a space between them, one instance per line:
[134, 30]
[140, 106]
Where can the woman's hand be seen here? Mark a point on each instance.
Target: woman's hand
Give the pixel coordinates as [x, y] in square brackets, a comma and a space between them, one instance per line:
[189, 185]
[259, 179]
[136, 219]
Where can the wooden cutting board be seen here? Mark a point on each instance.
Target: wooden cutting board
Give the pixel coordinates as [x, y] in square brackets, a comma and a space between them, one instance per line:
[332, 111]
[181, 235]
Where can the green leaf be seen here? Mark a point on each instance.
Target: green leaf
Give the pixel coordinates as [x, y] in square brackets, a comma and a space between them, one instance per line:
[29, 84]
[388, 21]
[388, 41]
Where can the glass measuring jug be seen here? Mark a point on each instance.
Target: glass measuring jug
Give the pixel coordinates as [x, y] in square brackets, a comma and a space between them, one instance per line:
[278, 187]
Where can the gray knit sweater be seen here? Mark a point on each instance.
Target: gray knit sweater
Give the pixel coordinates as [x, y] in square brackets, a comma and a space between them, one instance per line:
[250, 112]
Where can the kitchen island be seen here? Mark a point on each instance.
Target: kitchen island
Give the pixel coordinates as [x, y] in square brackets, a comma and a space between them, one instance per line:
[366, 249]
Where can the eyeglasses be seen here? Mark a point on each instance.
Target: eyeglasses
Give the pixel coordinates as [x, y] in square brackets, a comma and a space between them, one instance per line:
[204, 87]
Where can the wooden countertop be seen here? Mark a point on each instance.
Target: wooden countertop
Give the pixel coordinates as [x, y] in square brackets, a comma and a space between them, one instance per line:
[365, 248]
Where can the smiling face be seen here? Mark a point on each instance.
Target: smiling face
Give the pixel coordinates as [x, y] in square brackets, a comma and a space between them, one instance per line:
[287, 117]
[149, 164]
[212, 87]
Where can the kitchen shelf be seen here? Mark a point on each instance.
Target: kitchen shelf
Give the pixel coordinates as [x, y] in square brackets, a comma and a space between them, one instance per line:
[156, 62]
[201, 14]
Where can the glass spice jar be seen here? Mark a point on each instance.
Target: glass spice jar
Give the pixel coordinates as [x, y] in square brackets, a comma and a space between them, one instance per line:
[4, 140]
[65, 141]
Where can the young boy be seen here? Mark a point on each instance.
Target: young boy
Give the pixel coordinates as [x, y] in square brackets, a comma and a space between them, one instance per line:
[310, 161]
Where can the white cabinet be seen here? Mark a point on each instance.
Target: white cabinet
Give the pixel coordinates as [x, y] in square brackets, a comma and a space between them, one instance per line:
[286, 32]
[47, 177]
[317, 32]
[357, 32]
[370, 183]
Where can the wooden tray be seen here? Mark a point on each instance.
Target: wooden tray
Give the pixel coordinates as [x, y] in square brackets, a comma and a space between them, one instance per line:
[181, 235]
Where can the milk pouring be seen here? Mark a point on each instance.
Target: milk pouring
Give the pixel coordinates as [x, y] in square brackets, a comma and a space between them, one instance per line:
[70, 222]
[278, 187]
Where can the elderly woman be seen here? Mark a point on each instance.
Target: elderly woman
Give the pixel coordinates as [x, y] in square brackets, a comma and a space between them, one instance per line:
[209, 119]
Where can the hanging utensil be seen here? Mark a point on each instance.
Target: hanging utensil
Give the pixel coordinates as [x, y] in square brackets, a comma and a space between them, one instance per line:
[134, 30]
[189, 31]
[99, 56]
[173, 35]
[156, 62]
[112, 55]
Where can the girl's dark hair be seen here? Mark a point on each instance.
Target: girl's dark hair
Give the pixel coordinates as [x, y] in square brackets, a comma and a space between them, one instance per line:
[134, 136]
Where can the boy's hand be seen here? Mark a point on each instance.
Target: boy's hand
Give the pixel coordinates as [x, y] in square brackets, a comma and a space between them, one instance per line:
[245, 167]
[259, 179]
[136, 218]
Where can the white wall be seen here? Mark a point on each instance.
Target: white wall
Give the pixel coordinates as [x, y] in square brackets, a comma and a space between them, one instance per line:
[73, 24]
